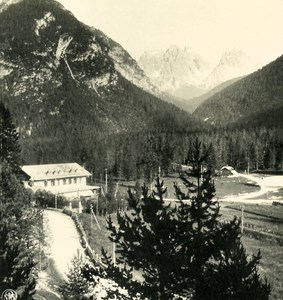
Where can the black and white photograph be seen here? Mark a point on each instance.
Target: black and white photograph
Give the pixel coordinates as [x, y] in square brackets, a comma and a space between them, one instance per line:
[141, 150]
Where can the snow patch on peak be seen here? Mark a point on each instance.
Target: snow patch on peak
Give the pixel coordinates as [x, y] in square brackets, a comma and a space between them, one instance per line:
[43, 22]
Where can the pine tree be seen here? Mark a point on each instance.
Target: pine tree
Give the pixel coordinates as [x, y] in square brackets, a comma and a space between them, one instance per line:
[185, 250]
[76, 284]
[217, 266]
[146, 242]
[19, 226]
[19, 221]
[9, 146]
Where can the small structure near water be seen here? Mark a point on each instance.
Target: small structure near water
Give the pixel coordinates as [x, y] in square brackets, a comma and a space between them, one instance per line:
[227, 171]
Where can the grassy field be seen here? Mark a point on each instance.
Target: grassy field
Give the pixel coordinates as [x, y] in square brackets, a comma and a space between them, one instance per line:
[261, 221]
[97, 238]
[273, 195]
[225, 186]
[270, 211]
[271, 264]
[266, 219]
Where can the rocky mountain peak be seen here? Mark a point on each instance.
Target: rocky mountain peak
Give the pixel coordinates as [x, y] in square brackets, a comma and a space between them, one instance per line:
[176, 70]
[235, 58]
[232, 64]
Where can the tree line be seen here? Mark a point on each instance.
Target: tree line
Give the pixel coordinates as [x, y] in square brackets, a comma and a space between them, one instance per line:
[181, 251]
[143, 155]
[131, 156]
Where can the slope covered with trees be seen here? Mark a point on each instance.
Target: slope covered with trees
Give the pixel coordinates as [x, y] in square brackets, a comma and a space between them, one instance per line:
[192, 104]
[246, 121]
[248, 97]
[60, 83]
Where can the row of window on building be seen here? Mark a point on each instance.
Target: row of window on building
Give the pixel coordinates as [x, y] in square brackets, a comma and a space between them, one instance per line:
[64, 181]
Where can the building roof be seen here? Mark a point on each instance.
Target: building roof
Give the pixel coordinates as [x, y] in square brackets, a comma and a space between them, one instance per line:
[53, 171]
[227, 168]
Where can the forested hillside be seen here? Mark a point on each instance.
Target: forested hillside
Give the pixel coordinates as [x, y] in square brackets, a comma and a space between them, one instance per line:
[192, 104]
[64, 90]
[246, 120]
[251, 96]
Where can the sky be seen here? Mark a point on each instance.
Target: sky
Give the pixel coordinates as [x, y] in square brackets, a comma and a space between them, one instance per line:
[210, 27]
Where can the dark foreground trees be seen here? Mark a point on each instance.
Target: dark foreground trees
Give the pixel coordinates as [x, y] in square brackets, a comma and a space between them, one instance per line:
[184, 249]
[20, 222]
[9, 147]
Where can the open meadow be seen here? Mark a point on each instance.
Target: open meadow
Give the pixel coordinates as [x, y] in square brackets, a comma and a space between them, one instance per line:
[225, 186]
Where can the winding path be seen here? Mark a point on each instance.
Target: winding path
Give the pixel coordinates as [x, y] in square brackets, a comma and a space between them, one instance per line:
[63, 239]
[266, 183]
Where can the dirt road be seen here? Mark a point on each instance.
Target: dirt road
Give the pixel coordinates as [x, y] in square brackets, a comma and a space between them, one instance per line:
[63, 239]
[266, 183]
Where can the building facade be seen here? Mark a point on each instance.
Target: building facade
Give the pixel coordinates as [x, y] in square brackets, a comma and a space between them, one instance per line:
[68, 180]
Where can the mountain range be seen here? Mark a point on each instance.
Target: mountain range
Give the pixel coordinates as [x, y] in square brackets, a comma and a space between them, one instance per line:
[178, 72]
[68, 84]
[184, 74]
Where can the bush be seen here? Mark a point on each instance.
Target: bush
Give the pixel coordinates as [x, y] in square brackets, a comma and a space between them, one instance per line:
[47, 199]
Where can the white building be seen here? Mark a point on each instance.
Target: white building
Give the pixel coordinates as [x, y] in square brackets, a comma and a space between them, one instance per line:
[228, 170]
[68, 180]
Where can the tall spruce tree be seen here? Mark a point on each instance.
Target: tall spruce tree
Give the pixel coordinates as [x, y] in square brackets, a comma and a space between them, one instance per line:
[185, 250]
[19, 221]
[9, 146]
[217, 266]
[146, 241]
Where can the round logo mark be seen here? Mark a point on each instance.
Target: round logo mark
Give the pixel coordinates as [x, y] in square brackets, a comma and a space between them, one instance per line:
[9, 295]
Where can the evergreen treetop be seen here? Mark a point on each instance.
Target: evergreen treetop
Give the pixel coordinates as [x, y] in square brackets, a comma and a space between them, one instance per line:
[185, 250]
[9, 146]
